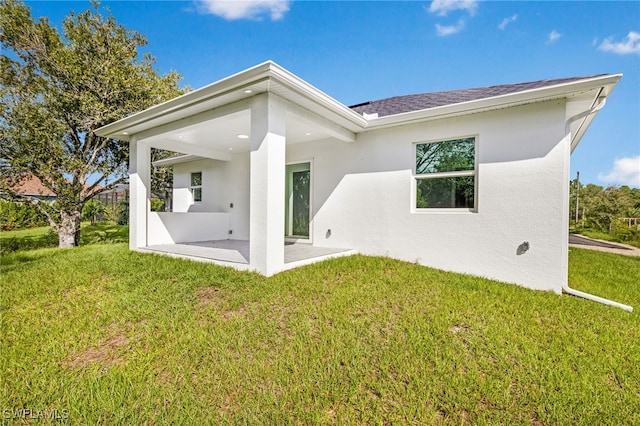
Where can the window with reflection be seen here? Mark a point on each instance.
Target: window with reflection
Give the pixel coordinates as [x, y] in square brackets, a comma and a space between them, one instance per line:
[446, 174]
[196, 186]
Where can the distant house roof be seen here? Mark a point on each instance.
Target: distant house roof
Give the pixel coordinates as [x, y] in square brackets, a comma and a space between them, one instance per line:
[33, 187]
[408, 103]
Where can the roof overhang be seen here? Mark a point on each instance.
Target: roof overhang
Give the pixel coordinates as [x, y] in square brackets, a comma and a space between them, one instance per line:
[269, 77]
[265, 77]
[603, 85]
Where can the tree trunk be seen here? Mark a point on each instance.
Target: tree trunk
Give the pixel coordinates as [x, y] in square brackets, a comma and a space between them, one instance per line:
[167, 202]
[69, 230]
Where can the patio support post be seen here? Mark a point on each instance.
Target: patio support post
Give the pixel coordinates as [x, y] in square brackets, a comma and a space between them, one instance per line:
[267, 181]
[139, 184]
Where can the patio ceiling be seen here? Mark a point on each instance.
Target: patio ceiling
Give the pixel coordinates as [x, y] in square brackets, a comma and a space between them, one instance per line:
[233, 94]
[229, 133]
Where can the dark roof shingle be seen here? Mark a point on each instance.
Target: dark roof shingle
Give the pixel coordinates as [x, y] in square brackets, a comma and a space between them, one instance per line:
[408, 103]
[32, 186]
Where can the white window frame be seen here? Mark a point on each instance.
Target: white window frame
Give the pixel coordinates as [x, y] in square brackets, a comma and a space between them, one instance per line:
[416, 176]
[192, 187]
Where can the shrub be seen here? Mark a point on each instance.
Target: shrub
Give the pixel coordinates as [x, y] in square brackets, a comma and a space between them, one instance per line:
[625, 233]
[157, 205]
[16, 215]
[123, 215]
[92, 210]
[41, 238]
[118, 213]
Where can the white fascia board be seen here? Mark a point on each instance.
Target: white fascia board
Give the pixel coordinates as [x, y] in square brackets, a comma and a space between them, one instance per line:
[498, 102]
[244, 79]
[296, 84]
[234, 82]
[177, 159]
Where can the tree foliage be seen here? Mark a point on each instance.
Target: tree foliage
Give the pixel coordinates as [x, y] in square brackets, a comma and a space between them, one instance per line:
[605, 209]
[56, 90]
[162, 178]
[15, 215]
[92, 210]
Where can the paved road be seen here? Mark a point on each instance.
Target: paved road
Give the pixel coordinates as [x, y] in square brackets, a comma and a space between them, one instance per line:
[584, 241]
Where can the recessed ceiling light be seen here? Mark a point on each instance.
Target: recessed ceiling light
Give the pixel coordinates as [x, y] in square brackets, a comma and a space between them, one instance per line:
[248, 91]
[308, 133]
[243, 136]
[230, 149]
[125, 133]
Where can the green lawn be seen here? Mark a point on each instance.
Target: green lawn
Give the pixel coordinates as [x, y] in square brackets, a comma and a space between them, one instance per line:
[117, 337]
[33, 238]
[598, 235]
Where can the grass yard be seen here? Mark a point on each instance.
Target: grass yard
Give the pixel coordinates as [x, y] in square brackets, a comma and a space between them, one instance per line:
[101, 335]
[33, 238]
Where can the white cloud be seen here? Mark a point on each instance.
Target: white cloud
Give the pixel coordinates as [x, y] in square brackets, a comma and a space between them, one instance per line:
[553, 37]
[626, 171]
[446, 30]
[629, 44]
[507, 21]
[244, 9]
[443, 7]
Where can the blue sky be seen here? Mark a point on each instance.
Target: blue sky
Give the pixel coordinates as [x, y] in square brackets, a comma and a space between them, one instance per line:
[358, 51]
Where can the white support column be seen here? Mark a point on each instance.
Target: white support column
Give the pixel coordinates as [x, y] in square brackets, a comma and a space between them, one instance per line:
[139, 184]
[266, 223]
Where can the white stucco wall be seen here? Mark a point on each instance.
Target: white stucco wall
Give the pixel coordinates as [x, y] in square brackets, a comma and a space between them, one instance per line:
[223, 183]
[171, 228]
[363, 193]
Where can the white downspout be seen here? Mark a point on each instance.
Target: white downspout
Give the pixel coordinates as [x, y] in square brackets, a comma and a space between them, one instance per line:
[602, 300]
[566, 287]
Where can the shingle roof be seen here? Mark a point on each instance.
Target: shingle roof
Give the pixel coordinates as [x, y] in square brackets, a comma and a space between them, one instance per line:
[400, 104]
[32, 186]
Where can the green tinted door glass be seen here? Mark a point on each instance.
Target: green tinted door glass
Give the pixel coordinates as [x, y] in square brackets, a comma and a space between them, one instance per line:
[300, 207]
[297, 200]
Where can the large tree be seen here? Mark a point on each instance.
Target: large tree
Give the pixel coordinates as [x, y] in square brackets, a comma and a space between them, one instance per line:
[56, 90]
[603, 209]
[162, 177]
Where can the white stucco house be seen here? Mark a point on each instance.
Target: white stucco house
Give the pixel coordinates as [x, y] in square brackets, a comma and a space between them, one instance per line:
[473, 181]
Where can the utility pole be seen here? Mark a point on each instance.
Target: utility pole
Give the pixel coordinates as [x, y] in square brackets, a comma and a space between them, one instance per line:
[577, 196]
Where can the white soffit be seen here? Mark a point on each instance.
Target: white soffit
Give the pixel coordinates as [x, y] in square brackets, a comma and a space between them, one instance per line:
[261, 78]
[578, 104]
[270, 77]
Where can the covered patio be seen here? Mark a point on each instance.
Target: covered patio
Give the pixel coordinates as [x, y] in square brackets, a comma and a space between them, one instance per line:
[235, 184]
[236, 252]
